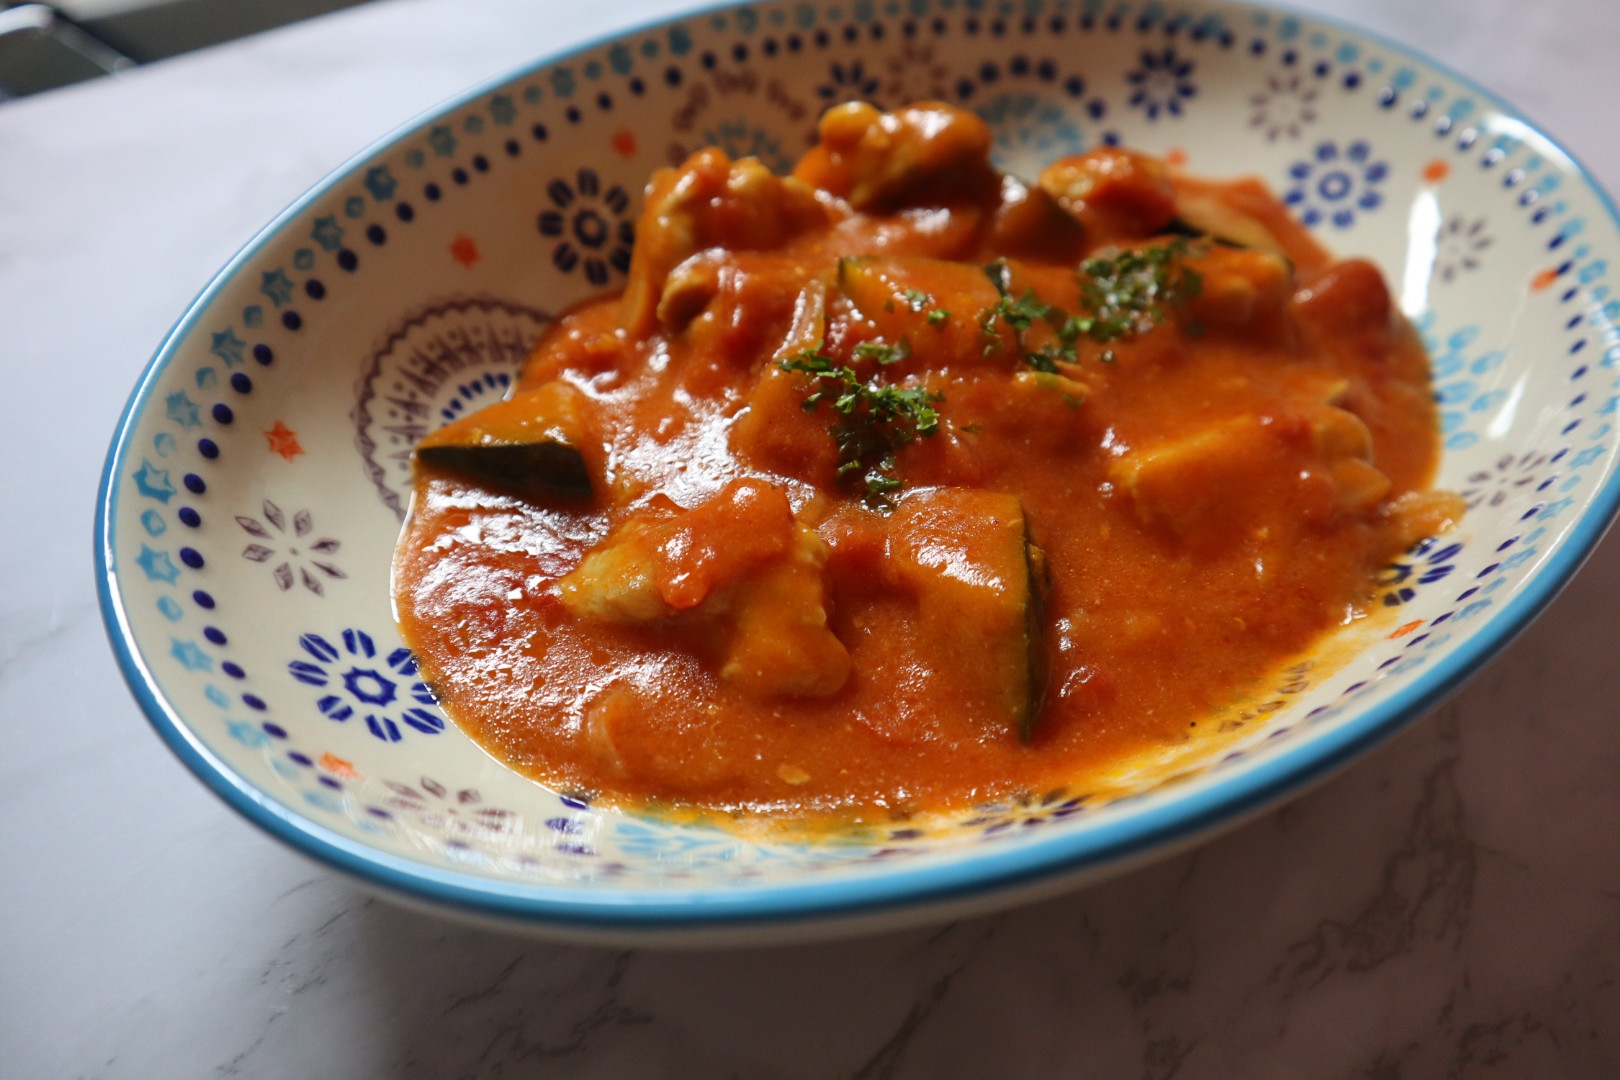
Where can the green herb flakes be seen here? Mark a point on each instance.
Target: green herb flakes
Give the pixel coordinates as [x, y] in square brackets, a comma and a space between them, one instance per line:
[874, 419]
[1123, 295]
[918, 300]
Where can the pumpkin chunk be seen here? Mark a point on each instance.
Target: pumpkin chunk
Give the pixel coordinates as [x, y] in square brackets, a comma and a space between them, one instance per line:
[967, 557]
[528, 445]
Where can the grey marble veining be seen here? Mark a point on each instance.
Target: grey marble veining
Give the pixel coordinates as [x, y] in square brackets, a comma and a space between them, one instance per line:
[1448, 907]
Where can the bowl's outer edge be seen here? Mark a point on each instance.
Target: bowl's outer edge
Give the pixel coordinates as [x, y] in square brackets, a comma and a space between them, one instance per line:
[998, 878]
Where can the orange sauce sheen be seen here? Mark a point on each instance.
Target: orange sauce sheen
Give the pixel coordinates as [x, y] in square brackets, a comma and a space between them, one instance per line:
[1198, 507]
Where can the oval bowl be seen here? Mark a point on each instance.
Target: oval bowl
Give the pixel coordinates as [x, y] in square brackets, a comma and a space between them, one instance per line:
[255, 485]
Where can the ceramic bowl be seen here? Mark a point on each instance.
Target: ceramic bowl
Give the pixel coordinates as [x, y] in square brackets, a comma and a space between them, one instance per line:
[256, 483]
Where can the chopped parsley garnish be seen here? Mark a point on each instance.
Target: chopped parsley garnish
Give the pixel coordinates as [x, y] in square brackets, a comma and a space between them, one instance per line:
[883, 352]
[1128, 293]
[874, 419]
[1123, 294]
[917, 300]
[1022, 313]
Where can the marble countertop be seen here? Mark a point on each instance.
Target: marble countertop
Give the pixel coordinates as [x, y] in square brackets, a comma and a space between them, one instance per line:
[1449, 906]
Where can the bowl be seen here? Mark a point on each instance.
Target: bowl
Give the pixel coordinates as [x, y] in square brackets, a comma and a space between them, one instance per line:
[256, 482]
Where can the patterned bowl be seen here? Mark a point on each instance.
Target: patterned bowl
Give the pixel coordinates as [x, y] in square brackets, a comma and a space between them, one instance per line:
[256, 482]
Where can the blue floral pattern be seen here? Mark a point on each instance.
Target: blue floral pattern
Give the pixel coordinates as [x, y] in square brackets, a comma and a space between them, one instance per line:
[1161, 85]
[591, 225]
[1428, 561]
[1334, 184]
[1028, 126]
[368, 691]
[851, 81]
[741, 138]
[1464, 387]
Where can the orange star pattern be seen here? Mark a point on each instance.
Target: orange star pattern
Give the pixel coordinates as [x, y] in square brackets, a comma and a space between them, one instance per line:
[338, 767]
[464, 251]
[284, 441]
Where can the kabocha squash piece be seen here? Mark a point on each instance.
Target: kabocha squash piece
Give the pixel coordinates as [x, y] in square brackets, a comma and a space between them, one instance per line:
[528, 445]
[931, 305]
[979, 581]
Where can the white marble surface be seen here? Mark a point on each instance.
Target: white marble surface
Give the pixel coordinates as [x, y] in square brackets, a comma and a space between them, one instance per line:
[1448, 907]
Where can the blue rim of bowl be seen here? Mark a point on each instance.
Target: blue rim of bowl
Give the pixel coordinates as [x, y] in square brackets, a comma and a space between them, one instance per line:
[1223, 802]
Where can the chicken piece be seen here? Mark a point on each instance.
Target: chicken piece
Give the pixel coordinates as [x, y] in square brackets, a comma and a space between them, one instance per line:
[1031, 224]
[1178, 484]
[617, 582]
[1197, 486]
[775, 433]
[1117, 194]
[778, 641]
[1239, 287]
[710, 201]
[689, 288]
[739, 567]
[925, 154]
[967, 557]
[1418, 515]
[1349, 298]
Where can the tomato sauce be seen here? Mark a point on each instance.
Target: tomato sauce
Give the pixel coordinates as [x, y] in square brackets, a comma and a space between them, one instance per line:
[899, 485]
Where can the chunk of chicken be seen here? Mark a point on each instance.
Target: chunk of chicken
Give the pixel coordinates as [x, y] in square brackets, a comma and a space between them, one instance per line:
[778, 640]
[1196, 486]
[1418, 515]
[1350, 298]
[710, 201]
[618, 582]
[1239, 287]
[925, 154]
[1030, 223]
[740, 571]
[1117, 194]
